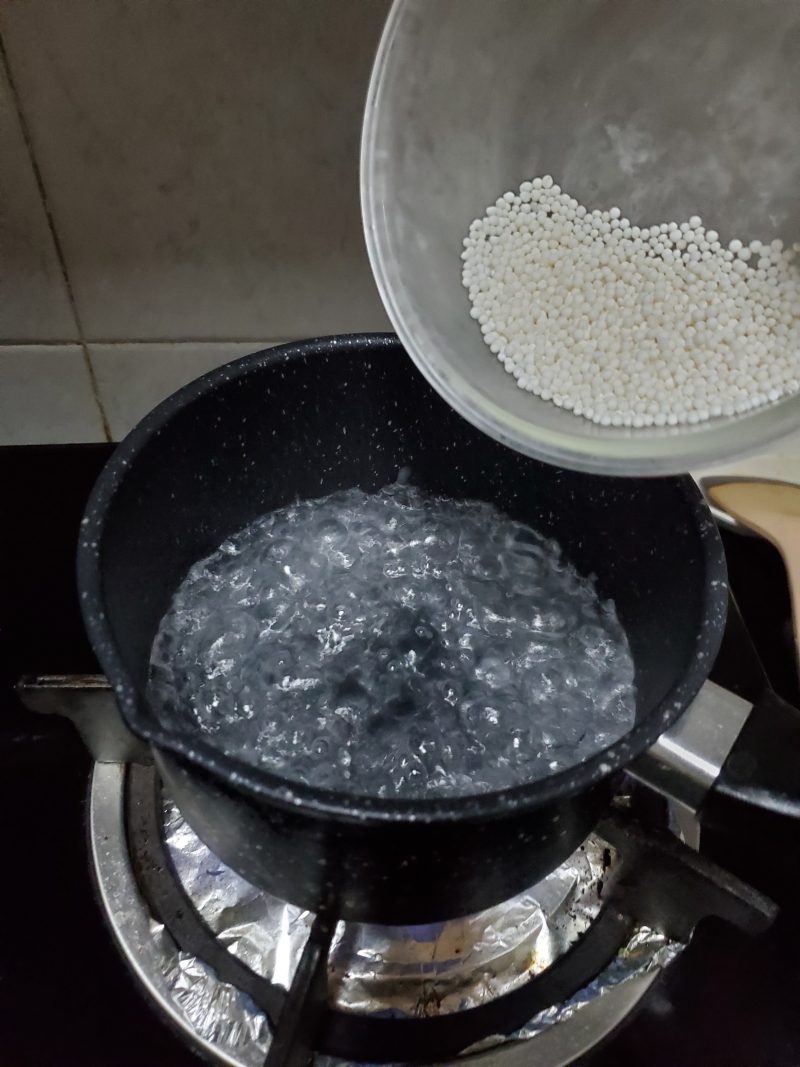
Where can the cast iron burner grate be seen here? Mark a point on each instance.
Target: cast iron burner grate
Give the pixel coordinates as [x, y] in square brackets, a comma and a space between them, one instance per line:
[659, 882]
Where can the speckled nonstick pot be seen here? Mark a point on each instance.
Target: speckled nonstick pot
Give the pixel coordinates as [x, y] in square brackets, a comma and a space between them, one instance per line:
[303, 420]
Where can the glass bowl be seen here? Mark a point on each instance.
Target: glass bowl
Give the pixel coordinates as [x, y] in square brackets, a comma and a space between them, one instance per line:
[666, 109]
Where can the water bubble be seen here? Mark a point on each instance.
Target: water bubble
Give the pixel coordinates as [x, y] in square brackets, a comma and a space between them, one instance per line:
[394, 644]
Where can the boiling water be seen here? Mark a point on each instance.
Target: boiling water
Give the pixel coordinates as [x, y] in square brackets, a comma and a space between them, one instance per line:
[394, 644]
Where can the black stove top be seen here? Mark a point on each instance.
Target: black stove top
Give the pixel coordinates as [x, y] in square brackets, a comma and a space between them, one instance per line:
[67, 996]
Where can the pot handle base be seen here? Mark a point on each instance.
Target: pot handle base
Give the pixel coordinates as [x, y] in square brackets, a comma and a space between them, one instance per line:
[725, 752]
[762, 769]
[686, 760]
[87, 700]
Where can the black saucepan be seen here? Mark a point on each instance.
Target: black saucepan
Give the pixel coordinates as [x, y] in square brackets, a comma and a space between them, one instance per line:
[301, 421]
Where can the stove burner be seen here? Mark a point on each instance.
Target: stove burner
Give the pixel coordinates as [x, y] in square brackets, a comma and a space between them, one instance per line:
[434, 969]
[212, 993]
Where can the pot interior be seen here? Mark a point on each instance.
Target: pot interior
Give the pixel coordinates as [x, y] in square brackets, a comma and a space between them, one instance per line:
[304, 420]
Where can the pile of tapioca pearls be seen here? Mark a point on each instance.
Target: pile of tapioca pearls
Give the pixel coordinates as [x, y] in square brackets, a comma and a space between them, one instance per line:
[628, 325]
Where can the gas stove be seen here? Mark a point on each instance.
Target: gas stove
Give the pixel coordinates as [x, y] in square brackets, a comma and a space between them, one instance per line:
[215, 954]
[127, 941]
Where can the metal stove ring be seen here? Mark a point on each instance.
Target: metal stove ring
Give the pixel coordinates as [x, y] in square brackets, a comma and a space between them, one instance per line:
[131, 924]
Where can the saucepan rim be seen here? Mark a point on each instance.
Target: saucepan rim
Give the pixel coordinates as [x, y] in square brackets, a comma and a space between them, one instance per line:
[258, 785]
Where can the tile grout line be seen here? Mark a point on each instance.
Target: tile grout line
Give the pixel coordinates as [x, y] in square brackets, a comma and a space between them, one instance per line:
[111, 341]
[163, 341]
[37, 174]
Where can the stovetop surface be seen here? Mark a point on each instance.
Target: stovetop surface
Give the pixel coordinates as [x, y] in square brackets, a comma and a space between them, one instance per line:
[67, 996]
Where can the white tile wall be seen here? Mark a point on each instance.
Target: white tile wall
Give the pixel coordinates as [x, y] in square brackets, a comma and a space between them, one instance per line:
[133, 378]
[201, 160]
[781, 462]
[33, 296]
[46, 396]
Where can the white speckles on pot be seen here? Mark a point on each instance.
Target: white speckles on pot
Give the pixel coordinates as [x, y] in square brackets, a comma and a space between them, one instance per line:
[655, 538]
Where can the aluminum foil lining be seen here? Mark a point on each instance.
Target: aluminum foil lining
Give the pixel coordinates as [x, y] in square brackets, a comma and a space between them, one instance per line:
[410, 970]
